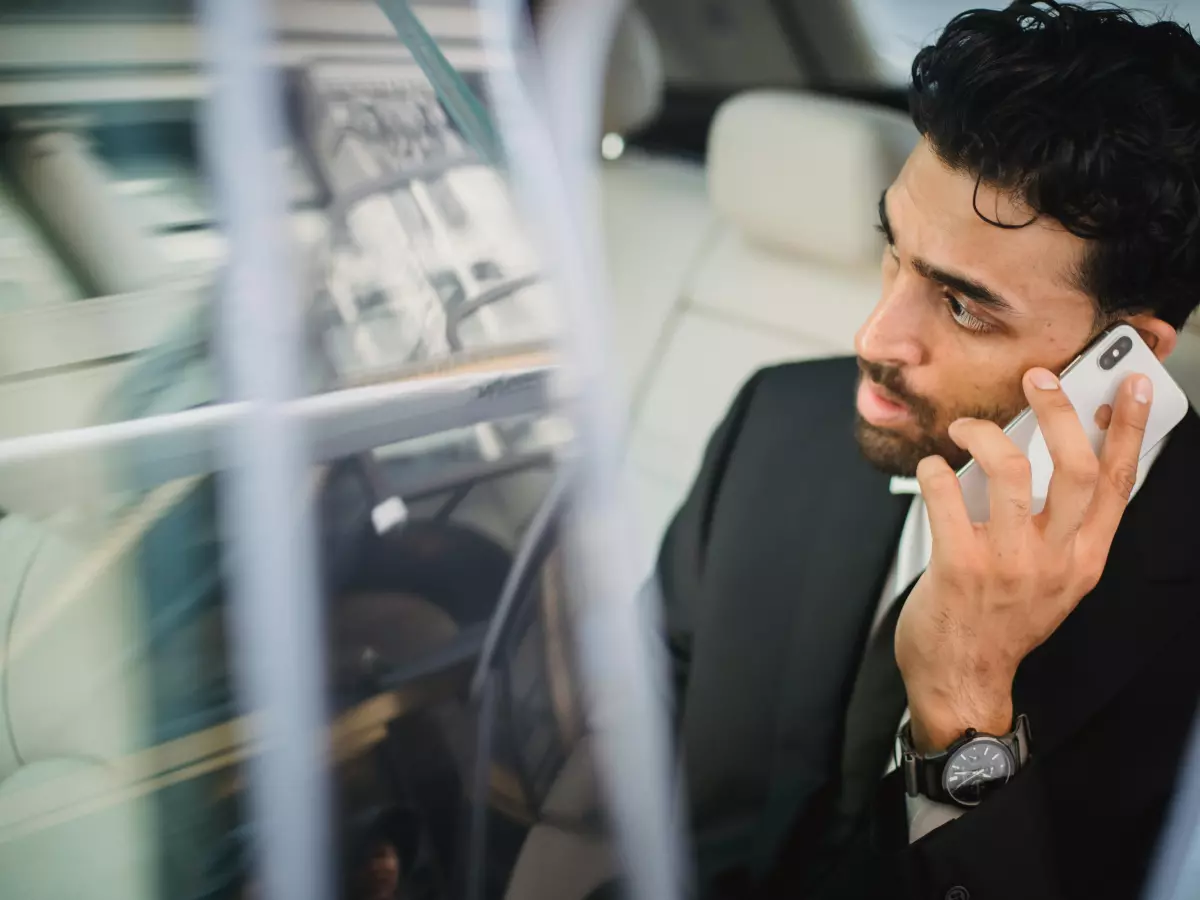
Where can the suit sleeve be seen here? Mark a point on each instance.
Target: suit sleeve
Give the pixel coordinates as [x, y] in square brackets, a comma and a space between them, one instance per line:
[681, 557]
[997, 851]
[1001, 849]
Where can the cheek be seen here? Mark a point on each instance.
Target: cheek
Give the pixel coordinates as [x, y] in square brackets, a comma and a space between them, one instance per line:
[997, 374]
[979, 385]
[976, 376]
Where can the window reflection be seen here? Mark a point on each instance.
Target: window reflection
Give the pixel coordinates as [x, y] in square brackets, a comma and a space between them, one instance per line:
[124, 749]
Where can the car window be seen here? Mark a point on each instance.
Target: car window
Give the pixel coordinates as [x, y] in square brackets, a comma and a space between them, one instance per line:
[457, 742]
[897, 29]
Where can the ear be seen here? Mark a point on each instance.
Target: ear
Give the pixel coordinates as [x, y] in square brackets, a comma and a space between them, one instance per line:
[1158, 335]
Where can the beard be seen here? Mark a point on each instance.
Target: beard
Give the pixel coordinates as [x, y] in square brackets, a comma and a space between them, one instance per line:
[894, 453]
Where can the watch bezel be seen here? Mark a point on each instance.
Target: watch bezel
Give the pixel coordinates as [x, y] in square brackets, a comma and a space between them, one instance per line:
[976, 740]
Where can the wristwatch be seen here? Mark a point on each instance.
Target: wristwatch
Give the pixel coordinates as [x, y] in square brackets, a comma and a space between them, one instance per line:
[968, 770]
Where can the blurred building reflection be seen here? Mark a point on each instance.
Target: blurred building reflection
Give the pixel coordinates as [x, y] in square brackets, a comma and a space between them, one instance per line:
[122, 760]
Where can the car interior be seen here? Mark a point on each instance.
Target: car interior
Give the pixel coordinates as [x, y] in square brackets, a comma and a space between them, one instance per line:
[457, 720]
[746, 254]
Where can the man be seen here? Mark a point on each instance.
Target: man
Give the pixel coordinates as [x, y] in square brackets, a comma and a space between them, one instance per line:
[1055, 191]
[379, 875]
[380, 866]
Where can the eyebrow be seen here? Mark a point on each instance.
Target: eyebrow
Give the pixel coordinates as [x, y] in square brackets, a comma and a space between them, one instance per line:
[968, 287]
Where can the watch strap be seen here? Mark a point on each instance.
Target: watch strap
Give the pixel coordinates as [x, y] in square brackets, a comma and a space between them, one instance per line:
[1017, 741]
[923, 771]
[927, 777]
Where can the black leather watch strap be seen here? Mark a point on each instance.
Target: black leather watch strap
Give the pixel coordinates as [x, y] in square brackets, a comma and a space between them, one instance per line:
[923, 772]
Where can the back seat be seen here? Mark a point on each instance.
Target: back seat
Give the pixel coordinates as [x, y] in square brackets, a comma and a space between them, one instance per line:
[767, 253]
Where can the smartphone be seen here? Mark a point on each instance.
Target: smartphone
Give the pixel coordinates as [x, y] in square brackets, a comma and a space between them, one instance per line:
[1090, 382]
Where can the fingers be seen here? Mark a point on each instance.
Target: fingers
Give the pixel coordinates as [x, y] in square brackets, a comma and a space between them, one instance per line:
[948, 520]
[1009, 488]
[1076, 467]
[1119, 458]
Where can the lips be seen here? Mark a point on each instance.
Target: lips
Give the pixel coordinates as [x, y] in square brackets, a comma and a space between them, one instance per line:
[878, 407]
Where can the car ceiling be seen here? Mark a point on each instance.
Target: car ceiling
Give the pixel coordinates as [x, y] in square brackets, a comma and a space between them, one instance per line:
[735, 44]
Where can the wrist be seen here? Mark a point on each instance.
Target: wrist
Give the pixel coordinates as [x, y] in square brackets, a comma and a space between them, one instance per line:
[937, 722]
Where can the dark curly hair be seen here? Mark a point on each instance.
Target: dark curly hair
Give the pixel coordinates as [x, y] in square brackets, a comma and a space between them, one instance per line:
[1093, 119]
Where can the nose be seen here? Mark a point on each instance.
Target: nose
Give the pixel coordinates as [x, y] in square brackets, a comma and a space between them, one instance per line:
[891, 335]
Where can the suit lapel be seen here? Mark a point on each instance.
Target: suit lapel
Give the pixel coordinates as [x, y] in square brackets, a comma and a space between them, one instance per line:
[1148, 593]
[785, 611]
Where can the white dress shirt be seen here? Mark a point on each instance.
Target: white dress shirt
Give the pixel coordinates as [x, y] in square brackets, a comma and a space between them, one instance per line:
[912, 556]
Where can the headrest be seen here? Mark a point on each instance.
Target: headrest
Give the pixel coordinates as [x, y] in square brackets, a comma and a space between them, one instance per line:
[803, 174]
[633, 86]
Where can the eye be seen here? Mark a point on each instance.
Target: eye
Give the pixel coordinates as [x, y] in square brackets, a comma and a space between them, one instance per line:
[963, 316]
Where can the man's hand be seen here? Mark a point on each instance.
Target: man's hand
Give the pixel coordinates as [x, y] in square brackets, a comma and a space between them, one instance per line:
[995, 591]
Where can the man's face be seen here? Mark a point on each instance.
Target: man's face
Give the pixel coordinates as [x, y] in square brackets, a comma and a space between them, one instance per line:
[381, 874]
[967, 308]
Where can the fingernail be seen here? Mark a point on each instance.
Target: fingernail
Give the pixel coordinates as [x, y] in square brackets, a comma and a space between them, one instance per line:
[1043, 379]
[1143, 390]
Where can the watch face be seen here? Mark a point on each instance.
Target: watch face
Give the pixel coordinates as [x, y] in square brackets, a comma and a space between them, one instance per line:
[975, 768]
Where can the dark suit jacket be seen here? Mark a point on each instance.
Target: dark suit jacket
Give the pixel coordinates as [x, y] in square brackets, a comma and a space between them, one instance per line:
[770, 574]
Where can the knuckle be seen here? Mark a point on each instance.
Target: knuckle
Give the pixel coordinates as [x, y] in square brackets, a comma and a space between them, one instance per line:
[1020, 507]
[954, 575]
[1129, 423]
[1122, 477]
[1015, 468]
[962, 572]
[967, 581]
[1088, 570]
[1131, 416]
[1058, 401]
[1083, 469]
[1010, 568]
[1057, 577]
[1011, 580]
[1136, 424]
[1086, 579]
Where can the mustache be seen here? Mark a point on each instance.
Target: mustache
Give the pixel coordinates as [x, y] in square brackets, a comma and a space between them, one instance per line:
[890, 379]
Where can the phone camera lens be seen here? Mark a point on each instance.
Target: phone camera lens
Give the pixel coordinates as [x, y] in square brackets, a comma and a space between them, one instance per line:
[1113, 354]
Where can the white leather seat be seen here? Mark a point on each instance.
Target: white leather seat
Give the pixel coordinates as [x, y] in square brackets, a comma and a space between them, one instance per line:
[767, 255]
[556, 864]
[74, 822]
[656, 214]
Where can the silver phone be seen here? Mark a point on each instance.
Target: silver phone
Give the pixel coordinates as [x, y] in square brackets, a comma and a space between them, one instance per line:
[1090, 382]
